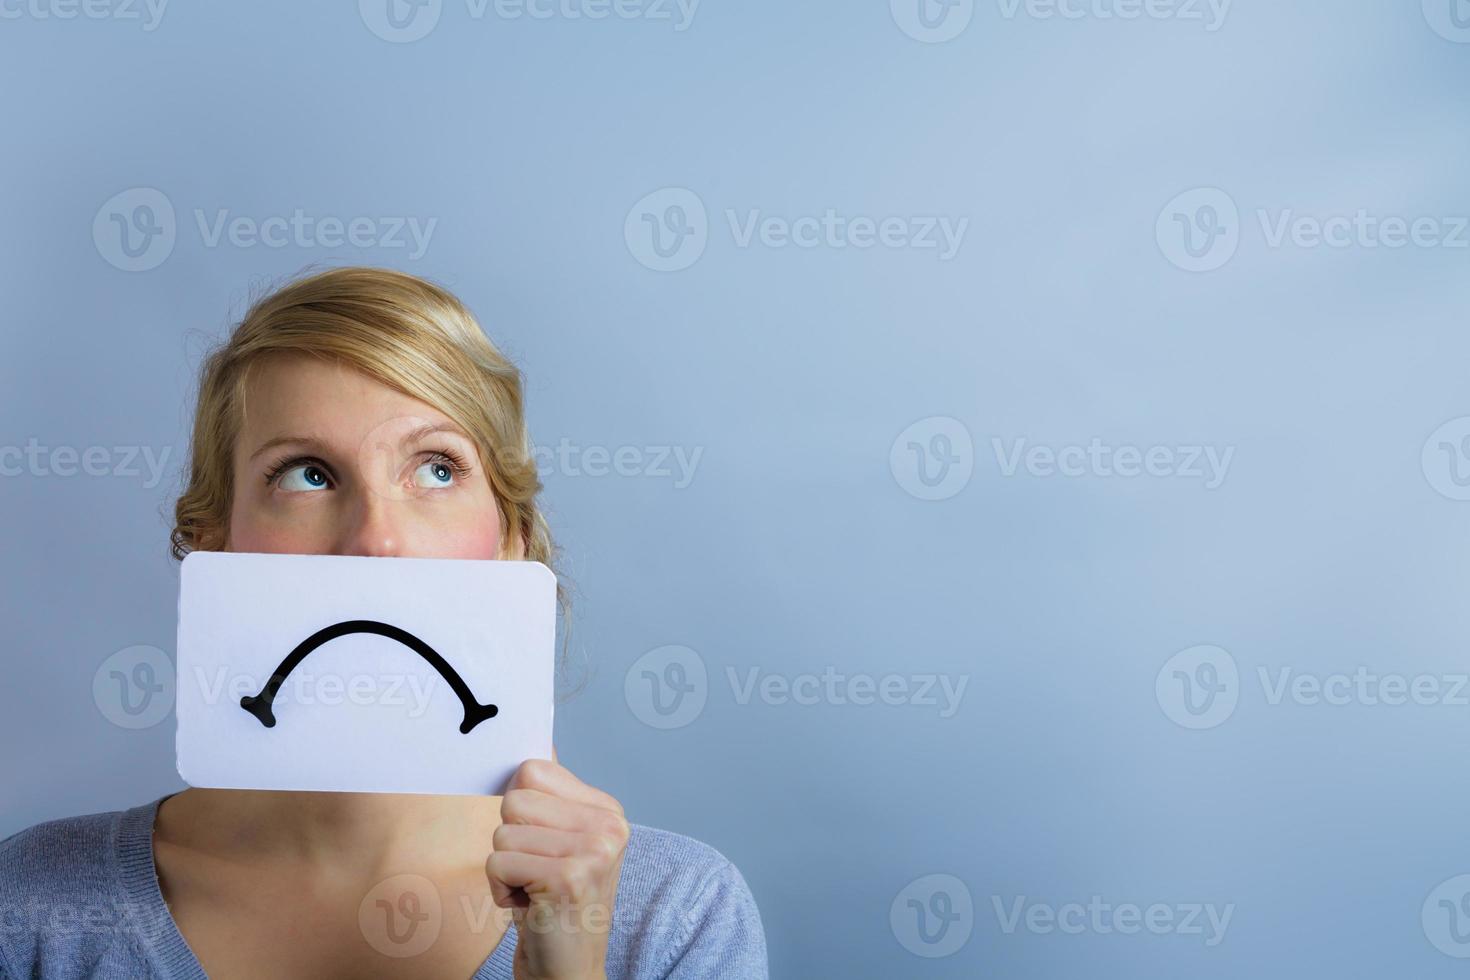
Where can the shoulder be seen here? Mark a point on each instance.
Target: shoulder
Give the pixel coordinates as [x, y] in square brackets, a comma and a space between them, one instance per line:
[684, 910]
[49, 856]
[64, 907]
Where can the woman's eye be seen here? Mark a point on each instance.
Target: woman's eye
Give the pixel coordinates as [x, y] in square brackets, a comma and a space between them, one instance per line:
[434, 475]
[306, 476]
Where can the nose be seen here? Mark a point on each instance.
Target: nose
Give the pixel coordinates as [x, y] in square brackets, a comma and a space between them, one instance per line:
[371, 529]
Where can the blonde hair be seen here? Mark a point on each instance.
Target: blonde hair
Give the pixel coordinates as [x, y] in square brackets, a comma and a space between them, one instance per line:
[400, 330]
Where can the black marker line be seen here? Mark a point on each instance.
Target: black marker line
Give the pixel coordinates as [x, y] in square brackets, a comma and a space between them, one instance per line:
[260, 705]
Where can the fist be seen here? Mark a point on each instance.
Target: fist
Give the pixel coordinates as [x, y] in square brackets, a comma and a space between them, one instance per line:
[554, 862]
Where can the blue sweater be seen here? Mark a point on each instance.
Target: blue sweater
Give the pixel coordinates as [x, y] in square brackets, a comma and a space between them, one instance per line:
[79, 897]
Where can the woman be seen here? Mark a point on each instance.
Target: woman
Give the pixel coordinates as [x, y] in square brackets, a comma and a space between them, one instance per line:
[548, 881]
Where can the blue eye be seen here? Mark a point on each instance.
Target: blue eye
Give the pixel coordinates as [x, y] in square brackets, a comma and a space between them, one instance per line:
[434, 474]
[306, 476]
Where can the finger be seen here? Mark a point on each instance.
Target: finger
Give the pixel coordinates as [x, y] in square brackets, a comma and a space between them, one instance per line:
[540, 877]
[502, 894]
[535, 808]
[555, 779]
[546, 841]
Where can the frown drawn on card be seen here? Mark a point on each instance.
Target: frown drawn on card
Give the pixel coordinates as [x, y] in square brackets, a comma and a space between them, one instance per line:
[262, 704]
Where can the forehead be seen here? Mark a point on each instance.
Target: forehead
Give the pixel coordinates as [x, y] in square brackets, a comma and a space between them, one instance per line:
[298, 394]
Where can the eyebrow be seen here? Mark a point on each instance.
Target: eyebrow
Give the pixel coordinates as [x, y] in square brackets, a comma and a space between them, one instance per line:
[312, 443]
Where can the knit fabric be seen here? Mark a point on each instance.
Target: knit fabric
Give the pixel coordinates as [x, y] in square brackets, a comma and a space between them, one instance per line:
[79, 897]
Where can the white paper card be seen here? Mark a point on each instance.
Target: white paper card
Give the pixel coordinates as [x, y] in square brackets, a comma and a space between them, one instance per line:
[368, 675]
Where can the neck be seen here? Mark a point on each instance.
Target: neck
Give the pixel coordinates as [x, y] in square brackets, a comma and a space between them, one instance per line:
[374, 832]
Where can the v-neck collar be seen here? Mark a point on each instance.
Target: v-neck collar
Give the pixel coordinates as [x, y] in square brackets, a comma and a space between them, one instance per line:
[159, 934]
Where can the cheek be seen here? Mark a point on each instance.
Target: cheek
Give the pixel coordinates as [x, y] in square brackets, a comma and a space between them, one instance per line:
[477, 537]
[253, 532]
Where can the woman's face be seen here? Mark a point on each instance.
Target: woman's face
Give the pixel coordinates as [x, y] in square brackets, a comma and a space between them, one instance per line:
[332, 462]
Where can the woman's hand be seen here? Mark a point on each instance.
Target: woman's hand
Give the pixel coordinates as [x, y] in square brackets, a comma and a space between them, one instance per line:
[556, 859]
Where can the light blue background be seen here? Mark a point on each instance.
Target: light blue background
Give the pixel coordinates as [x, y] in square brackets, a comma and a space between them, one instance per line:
[796, 547]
